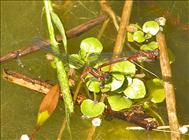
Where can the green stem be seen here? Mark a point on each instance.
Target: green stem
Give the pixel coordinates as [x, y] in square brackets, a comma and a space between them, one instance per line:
[157, 115]
[77, 91]
[95, 96]
[54, 44]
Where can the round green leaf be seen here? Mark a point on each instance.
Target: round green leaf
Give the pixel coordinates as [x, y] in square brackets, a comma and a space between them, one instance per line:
[136, 90]
[151, 27]
[156, 90]
[118, 102]
[124, 67]
[149, 47]
[138, 36]
[91, 109]
[89, 48]
[93, 85]
[117, 81]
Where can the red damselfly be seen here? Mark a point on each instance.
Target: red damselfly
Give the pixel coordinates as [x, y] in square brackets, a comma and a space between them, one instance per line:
[138, 57]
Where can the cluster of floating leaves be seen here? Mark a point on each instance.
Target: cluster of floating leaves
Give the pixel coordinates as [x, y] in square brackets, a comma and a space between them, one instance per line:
[121, 86]
[144, 34]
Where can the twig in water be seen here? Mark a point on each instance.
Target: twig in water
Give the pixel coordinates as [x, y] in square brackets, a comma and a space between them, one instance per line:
[101, 31]
[162, 129]
[168, 86]
[124, 115]
[106, 8]
[74, 32]
[122, 28]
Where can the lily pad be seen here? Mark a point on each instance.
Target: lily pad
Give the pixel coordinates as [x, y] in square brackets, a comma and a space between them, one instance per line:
[118, 102]
[89, 48]
[156, 90]
[136, 90]
[91, 109]
[138, 36]
[151, 27]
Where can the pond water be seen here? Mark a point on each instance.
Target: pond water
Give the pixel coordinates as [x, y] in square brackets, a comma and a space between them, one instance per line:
[22, 21]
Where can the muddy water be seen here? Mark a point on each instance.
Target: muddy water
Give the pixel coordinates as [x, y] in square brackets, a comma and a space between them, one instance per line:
[21, 22]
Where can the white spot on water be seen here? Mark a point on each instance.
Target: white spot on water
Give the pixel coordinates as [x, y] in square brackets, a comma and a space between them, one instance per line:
[96, 122]
[24, 137]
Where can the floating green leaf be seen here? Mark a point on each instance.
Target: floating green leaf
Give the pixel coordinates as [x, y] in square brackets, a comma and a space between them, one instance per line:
[89, 48]
[136, 89]
[130, 37]
[91, 109]
[124, 67]
[156, 90]
[151, 27]
[106, 88]
[149, 47]
[116, 81]
[138, 36]
[118, 102]
[92, 84]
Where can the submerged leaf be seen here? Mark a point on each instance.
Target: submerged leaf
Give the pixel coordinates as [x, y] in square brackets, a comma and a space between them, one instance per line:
[90, 48]
[48, 105]
[171, 56]
[156, 90]
[91, 109]
[118, 102]
[136, 90]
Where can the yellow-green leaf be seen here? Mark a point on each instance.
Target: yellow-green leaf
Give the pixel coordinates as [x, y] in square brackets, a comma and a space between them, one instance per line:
[48, 105]
[42, 117]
